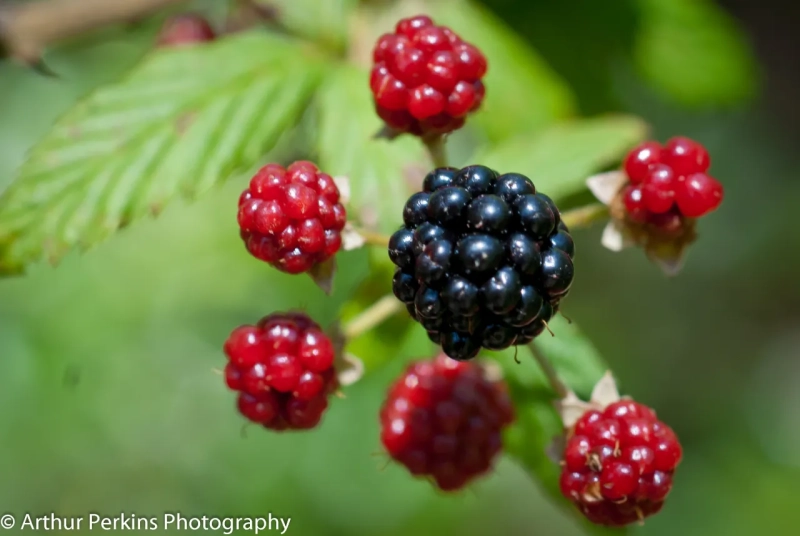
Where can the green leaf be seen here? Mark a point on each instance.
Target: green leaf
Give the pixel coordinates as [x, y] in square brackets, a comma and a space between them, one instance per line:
[379, 170]
[694, 53]
[180, 123]
[32, 102]
[561, 158]
[523, 93]
[323, 22]
[532, 436]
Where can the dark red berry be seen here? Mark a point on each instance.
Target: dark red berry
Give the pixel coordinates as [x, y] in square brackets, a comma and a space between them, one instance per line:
[628, 408]
[309, 385]
[667, 453]
[461, 99]
[431, 39]
[291, 218]
[656, 486]
[260, 409]
[425, 101]
[618, 463]
[410, 66]
[185, 29]
[658, 189]
[576, 455]
[444, 419]
[305, 414]
[281, 334]
[233, 377]
[586, 421]
[248, 207]
[254, 379]
[316, 351]
[685, 156]
[634, 203]
[311, 236]
[640, 458]
[441, 71]
[425, 79]
[480, 93]
[639, 160]
[299, 201]
[283, 369]
[618, 480]
[295, 262]
[269, 219]
[245, 346]
[268, 182]
[471, 62]
[391, 94]
[698, 194]
[572, 484]
[410, 26]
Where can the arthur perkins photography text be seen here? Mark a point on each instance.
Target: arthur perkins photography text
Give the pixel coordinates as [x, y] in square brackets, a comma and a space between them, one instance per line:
[169, 521]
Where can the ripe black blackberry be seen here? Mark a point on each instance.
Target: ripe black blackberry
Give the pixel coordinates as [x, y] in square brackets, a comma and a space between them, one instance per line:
[483, 260]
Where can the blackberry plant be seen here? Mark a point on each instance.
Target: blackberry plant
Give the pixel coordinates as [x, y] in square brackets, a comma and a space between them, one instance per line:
[481, 253]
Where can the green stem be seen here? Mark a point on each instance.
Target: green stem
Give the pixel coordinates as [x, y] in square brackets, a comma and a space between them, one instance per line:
[372, 316]
[584, 216]
[436, 149]
[549, 371]
[374, 239]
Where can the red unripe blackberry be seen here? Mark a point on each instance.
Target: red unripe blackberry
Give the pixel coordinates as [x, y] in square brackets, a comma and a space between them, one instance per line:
[668, 183]
[185, 29]
[444, 419]
[618, 463]
[425, 79]
[283, 370]
[292, 218]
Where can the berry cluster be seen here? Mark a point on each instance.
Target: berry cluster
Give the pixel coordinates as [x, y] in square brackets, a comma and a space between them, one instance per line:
[283, 370]
[425, 79]
[444, 419]
[292, 218]
[482, 261]
[669, 183]
[618, 463]
[185, 29]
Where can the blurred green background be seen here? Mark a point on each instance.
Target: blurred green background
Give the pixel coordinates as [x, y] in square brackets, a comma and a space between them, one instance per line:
[109, 399]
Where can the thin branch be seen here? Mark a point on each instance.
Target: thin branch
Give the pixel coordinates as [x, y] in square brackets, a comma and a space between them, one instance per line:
[584, 216]
[374, 239]
[27, 29]
[436, 149]
[372, 316]
[550, 372]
